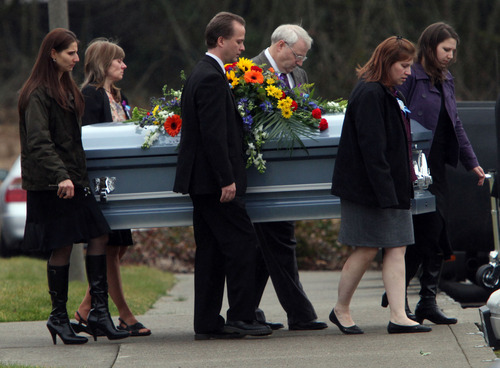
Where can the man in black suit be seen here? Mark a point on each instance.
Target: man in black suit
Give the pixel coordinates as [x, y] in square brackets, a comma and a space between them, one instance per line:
[289, 46]
[211, 168]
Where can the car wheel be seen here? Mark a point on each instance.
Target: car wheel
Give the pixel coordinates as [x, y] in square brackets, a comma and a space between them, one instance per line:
[487, 278]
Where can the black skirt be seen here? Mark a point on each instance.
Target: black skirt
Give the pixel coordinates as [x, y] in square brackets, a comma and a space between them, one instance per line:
[121, 238]
[52, 222]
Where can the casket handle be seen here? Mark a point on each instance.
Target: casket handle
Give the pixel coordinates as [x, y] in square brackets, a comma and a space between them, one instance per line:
[103, 186]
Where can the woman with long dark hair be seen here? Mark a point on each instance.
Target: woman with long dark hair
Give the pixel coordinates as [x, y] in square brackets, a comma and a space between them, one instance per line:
[430, 93]
[61, 209]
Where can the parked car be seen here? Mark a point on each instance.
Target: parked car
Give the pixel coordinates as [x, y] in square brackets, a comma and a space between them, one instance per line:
[12, 211]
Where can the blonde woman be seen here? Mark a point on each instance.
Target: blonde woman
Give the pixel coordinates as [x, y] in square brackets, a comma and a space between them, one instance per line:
[105, 102]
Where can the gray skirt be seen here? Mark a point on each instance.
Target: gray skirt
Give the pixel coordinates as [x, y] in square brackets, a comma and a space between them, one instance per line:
[364, 226]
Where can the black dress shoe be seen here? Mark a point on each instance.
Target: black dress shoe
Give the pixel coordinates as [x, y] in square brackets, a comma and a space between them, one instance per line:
[351, 330]
[274, 325]
[217, 335]
[311, 325]
[252, 328]
[393, 328]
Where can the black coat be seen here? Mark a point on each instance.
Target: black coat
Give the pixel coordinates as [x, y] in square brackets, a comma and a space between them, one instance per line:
[211, 153]
[97, 109]
[372, 165]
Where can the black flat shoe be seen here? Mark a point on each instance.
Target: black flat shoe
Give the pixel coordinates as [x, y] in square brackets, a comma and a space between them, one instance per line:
[274, 325]
[311, 325]
[393, 328]
[351, 330]
[409, 314]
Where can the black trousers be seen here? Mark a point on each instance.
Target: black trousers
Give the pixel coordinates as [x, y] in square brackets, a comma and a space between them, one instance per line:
[277, 259]
[226, 247]
[432, 243]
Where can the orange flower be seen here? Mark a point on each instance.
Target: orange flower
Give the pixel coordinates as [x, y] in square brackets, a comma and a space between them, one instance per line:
[253, 76]
[173, 125]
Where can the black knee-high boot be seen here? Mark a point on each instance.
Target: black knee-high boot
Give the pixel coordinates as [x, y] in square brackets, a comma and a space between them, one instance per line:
[99, 319]
[58, 323]
[427, 307]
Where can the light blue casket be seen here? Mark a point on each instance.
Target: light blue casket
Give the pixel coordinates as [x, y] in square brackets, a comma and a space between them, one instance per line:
[296, 185]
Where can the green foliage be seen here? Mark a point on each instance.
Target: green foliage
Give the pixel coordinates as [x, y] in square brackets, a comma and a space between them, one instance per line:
[24, 292]
[173, 248]
[317, 246]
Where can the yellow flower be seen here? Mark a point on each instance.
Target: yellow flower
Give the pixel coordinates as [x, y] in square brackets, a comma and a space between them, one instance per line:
[285, 103]
[286, 113]
[274, 92]
[245, 64]
[155, 110]
[270, 81]
[232, 78]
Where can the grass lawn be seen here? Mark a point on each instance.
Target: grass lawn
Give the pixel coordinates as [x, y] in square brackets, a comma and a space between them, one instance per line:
[24, 292]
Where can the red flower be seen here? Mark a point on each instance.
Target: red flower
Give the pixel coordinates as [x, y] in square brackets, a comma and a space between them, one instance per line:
[173, 125]
[230, 66]
[316, 113]
[256, 68]
[294, 106]
[323, 125]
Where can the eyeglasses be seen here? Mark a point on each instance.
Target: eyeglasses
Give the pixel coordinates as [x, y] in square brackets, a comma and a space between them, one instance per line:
[297, 57]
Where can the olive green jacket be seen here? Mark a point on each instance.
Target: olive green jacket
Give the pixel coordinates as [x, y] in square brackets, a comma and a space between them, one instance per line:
[51, 144]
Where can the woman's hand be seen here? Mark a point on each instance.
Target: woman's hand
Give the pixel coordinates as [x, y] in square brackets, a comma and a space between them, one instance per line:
[66, 189]
[478, 170]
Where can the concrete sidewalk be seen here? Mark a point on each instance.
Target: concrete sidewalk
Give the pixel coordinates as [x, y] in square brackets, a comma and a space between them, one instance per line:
[172, 343]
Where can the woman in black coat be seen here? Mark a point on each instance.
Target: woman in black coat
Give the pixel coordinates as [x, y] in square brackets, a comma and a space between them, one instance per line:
[373, 177]
[104, 102]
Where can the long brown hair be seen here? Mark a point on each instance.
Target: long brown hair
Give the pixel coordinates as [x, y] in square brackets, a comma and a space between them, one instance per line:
[98, 58]
[388, 52]
[430, 38]
[45, 74]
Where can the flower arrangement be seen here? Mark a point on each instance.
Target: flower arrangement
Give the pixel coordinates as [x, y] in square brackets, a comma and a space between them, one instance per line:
[165, 115]
[269, 109]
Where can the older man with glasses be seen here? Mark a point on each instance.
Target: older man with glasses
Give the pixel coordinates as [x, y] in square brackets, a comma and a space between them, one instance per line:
[289, 46]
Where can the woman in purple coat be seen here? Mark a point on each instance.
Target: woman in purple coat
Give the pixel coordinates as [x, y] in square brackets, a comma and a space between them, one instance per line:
[430, 95]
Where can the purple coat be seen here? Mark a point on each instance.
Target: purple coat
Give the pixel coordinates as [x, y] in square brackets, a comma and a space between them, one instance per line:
[424, 101]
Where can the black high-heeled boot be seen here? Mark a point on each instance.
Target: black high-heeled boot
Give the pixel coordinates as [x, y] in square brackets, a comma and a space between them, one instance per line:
[58, 323]
[427, 307]
[99, 319]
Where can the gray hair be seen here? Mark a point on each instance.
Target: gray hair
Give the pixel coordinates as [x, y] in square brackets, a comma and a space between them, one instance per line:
[291, 33]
